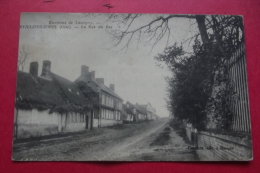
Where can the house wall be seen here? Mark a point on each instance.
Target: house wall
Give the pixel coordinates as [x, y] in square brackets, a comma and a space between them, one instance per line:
[95, 123]
[32, 123]
[75, 127]
[149, 116]
[76, 121]
[218, 147]
[141, 117]
[129, 117]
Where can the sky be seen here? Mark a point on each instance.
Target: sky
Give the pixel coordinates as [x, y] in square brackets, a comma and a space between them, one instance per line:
[134, 72]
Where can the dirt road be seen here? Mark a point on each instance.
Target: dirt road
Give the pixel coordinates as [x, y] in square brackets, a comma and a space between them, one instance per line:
[146, 141]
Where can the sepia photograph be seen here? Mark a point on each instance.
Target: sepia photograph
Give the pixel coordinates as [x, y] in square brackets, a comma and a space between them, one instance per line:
[131, 87]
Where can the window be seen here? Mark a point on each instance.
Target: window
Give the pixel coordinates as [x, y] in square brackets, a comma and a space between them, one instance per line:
[107, 100]
[82, 117]
[106, 114]
[77, 116]
[74, 118]
[70, 118]
[103, 99]
[119, 105]
[112, 101]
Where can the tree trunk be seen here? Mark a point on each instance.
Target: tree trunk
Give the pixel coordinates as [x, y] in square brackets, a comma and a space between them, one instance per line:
[202, 28]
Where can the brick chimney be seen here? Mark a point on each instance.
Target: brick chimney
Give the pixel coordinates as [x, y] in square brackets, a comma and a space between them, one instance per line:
[92, 74]
[100, 80]
[112, 87]
[46, 68]
[84, 70]
[34, 69]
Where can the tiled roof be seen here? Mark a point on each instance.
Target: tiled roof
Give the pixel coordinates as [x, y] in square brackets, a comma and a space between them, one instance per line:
[92, 83]
[141, 109]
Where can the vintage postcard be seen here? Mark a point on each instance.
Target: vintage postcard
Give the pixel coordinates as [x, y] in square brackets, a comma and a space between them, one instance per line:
[131, 87]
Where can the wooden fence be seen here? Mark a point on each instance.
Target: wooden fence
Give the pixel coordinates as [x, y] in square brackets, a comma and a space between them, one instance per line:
[239, 103]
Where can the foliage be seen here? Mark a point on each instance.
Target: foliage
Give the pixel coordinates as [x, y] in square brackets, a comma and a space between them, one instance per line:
[200, 84]
[191, 85]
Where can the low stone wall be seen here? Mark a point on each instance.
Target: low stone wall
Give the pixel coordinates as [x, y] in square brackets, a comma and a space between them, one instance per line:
[217, 147]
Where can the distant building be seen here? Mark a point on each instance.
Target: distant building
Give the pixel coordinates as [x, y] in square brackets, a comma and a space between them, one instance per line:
[147, 110]
[129, 113]
[110, 104]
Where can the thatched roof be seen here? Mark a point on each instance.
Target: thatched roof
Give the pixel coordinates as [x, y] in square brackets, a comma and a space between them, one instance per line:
[58, 93]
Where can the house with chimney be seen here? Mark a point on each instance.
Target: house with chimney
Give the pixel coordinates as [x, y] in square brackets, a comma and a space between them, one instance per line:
[48, 104]
[110, 104]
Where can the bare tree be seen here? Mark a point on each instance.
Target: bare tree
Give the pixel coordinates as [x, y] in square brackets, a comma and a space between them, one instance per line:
[210, 28]
[23, 56]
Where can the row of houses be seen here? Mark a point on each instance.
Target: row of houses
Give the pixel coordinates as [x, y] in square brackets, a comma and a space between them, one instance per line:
[49, 104]
[137, 113]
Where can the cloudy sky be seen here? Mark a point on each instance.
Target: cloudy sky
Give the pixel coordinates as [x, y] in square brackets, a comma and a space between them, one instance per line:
[135, 74]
